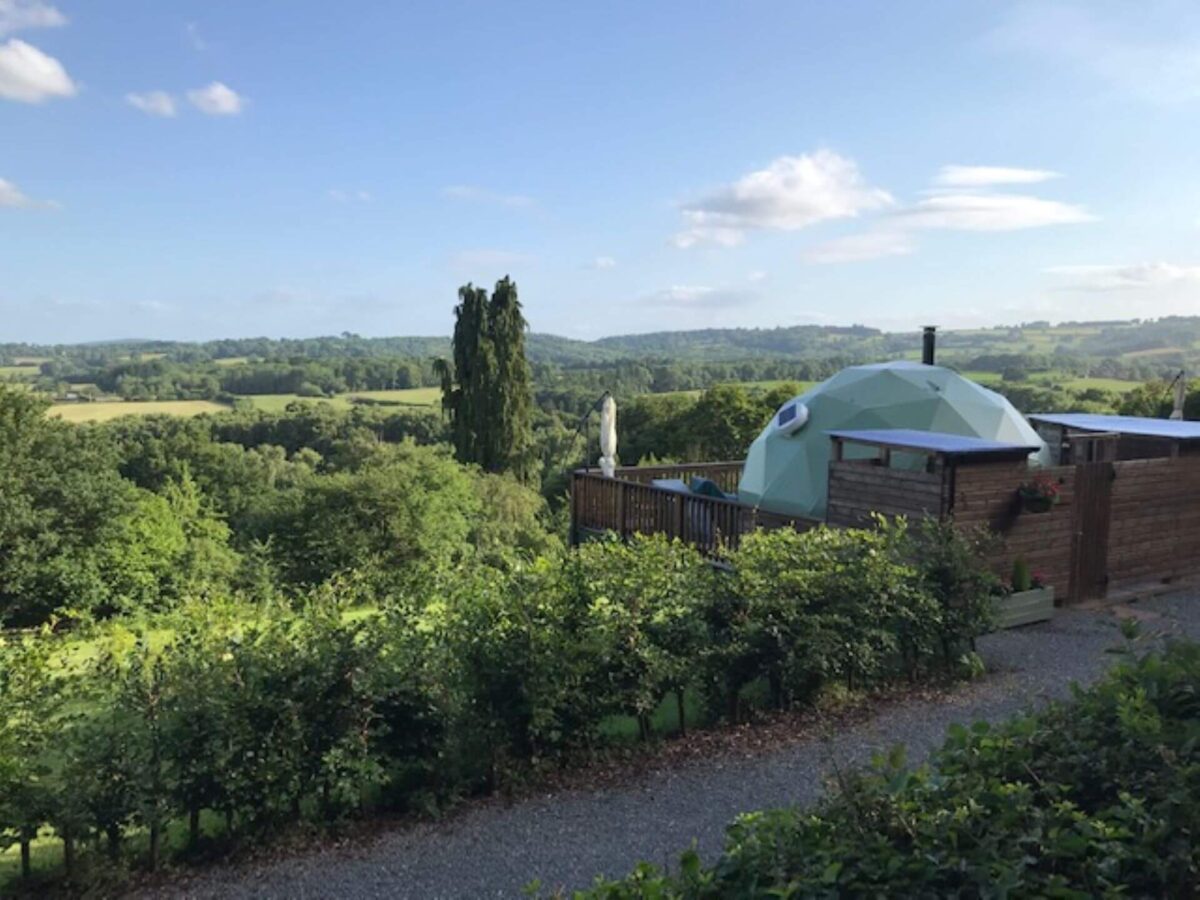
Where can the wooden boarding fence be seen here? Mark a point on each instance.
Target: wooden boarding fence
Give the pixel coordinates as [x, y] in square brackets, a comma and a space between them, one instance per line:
[625, 506]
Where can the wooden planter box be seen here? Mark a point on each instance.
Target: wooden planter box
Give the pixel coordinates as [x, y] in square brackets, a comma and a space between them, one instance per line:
[1025, 607]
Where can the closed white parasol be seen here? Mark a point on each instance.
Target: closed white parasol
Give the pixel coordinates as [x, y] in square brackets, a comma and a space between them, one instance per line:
[608, 435]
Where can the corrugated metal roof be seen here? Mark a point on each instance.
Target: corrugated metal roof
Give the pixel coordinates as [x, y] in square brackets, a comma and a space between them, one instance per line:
[933, 441]
[1161, 428]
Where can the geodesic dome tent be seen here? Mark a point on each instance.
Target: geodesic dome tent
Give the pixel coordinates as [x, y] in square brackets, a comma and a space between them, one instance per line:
[787, 467]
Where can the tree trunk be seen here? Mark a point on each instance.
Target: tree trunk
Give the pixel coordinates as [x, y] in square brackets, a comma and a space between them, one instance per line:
[26, 868]
[194, 827]
[682, 714]
[114, 840]
[68, 840]
[155, 841]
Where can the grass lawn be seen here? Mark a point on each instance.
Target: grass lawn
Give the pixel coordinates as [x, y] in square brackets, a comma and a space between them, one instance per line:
[106, 411]
[232, 361]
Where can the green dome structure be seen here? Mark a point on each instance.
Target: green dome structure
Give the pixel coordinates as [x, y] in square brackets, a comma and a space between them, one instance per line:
[787, 467]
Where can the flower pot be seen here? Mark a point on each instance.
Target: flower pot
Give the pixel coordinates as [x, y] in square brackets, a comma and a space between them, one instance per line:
[1037, 504]
[1025, 607]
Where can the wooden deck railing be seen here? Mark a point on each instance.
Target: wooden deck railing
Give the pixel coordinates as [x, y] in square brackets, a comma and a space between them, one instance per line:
[628, 504]
[724, 475]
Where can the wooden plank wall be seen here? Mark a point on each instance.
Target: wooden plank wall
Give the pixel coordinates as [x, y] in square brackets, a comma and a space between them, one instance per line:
[1154, 535]
[858, 488]
[986, 494]
[712, 525]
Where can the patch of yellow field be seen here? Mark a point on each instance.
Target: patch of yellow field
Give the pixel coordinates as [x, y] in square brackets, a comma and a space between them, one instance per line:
[106, 411]
[428, 396]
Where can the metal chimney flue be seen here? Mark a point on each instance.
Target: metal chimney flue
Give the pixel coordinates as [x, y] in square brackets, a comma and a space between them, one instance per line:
[928, 343]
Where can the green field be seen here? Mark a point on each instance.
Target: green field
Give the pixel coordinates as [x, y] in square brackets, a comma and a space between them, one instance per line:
[232, 361]
[23, 372]
[105, 411]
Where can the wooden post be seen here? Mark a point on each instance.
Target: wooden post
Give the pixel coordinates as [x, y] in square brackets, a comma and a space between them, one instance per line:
[573, 537]
[622, 530]
[679, 516]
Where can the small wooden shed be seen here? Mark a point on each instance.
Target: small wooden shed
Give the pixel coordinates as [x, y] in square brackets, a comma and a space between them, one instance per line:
[909, 473]
[1075, 438]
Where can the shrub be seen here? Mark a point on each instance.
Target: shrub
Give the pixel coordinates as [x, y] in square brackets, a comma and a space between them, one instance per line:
[1098, 796]
[469, 677]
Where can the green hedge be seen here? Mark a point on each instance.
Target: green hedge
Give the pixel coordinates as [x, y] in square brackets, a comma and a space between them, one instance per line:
[1096, 797]
[259, 717]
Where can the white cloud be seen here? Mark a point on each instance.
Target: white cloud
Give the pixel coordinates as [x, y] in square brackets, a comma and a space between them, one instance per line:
[217, 99]
[698, 297]
[604, 262]
[153, 103]
[194, 37]
[1149, 51]
[858, 247]
[30, 76]
[756, 276]
[984, 176]
[17, 15]
[989, 212]
[791, 193]
[1126, 277]
[340, 196]
[489, 259]
[12, 197]
[483, 195]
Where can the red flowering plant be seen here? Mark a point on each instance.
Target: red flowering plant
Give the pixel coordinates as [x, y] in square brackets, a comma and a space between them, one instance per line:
[1039, 494]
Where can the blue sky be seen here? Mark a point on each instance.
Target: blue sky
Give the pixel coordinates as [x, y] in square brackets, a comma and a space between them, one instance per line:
[204, 169]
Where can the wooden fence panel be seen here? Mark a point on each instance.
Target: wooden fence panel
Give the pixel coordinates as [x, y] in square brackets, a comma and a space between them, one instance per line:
[986, 495]
[1154, 531]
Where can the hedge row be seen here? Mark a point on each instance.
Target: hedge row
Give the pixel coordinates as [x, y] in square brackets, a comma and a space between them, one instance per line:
[1092, 798]
[263, 717]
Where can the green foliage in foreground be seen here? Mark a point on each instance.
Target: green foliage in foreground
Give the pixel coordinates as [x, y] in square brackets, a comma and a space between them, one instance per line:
[469, 678]
[1096, 797]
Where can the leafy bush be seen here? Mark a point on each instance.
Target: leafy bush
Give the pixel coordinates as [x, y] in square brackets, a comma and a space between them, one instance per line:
[860, 606]
[469, 676]
[1099, 796]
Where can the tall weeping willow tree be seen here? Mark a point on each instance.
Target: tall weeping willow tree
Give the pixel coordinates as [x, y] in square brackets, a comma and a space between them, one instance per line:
[486, 388]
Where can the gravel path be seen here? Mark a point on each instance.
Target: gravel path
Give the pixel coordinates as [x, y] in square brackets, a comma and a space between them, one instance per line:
[567, 838]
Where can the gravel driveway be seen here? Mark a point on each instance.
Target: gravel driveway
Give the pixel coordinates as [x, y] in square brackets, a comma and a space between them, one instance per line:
[565, 839]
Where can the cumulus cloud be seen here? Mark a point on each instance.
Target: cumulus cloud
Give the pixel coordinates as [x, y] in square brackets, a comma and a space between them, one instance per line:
[483, 195]
[217, 99]
[17, 15]
[989, 212]
[1143, 50]
[698, 297]
[12, 197]
[194, 37]
[1126, 277]
[488, 258]
[858, 247]
[604, 262]
[153, 103]
[987, 176]
[338, 195]
[28, 75]
[792, 192]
